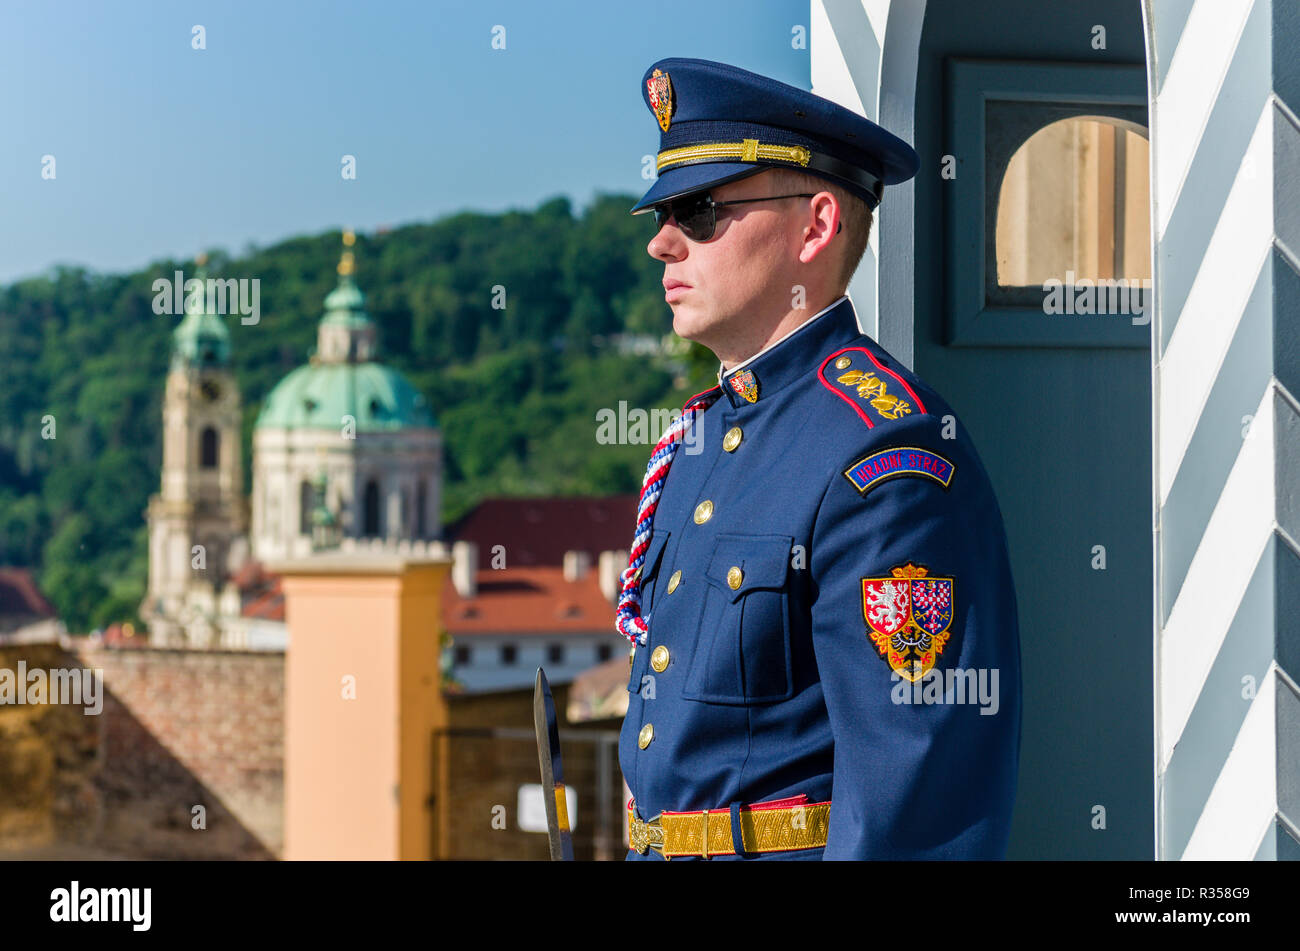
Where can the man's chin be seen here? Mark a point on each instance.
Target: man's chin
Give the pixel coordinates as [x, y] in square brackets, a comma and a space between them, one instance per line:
[687, 323]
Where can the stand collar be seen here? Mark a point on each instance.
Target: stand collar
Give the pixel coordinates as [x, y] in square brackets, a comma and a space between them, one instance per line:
[785, 360]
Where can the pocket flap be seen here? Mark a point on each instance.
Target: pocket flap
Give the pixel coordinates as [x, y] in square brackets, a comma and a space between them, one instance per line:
[763, 561]
[655, 551]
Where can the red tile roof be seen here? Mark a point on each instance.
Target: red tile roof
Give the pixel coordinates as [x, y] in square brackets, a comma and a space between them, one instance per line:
[534, 600]
[20, 598]
[259, 592]
[538, 531]
[269, 606]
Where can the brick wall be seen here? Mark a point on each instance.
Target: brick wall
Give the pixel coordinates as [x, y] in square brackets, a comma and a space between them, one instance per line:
[185, 728]
[179, 729]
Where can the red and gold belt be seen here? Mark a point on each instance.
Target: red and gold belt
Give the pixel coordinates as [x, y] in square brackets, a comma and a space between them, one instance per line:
[780, 825]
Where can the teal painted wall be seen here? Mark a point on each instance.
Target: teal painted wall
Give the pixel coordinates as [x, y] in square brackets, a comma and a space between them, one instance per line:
[1065, 434]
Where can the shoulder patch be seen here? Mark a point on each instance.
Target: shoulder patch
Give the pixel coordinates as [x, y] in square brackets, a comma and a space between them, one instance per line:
[886, 464]
[908, 617]
[873, 390]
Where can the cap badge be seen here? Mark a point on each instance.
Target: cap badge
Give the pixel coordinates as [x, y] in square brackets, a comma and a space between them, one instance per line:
[746, 384]
[660, 89]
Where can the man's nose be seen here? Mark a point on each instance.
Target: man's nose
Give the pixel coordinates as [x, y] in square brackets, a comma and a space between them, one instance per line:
[668, 244]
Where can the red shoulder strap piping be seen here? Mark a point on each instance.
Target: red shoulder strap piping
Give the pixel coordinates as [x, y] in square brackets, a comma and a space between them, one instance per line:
[821, 375]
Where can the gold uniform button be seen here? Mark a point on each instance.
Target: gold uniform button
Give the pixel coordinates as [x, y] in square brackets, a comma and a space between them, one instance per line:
[735, 577]
[842, 363]
[645, 736]
[703, 512]
[732, 439]
[659, 659]
[674, 581]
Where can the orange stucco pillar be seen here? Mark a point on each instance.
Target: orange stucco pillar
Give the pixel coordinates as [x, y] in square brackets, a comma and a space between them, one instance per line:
[362, 698]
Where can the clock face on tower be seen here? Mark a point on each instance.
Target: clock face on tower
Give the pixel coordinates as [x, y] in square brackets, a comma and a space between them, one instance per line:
[211, 392]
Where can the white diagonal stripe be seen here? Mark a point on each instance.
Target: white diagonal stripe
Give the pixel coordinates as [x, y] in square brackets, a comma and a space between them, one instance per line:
[1196, 72]
[1225, 559]
[1243, 802]
[1242, 240]
[831, 77]
[878, 14]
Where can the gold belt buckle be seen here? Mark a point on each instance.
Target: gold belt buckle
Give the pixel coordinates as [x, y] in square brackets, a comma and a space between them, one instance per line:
[647, 834]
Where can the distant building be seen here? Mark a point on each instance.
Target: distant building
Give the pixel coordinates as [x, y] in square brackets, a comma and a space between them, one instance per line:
[527, 532]
[198, 521]
[346, 454]
[533, 583]
[508, 623]
[345, 447]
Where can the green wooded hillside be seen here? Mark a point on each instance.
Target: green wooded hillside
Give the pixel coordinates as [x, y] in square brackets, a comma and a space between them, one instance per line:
[515, 390]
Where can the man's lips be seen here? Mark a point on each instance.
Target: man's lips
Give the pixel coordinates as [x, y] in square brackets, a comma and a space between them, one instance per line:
[674, 289]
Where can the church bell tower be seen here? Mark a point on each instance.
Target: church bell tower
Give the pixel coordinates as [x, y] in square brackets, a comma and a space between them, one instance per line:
[198, 519]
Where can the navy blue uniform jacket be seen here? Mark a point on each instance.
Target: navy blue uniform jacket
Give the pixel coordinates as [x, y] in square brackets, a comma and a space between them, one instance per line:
[870, 656]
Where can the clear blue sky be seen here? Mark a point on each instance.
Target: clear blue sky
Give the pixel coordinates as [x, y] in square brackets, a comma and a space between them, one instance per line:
[162, 150]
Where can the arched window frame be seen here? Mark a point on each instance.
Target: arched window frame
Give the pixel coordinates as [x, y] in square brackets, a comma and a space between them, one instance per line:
[992, 108]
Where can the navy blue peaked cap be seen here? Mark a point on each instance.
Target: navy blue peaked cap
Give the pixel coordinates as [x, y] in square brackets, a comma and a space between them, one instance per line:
[719, 123]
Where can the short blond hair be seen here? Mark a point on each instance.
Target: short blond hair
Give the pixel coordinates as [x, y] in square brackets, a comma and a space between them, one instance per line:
[855, 215]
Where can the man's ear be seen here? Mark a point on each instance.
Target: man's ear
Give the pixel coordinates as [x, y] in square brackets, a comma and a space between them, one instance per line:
[823, 209]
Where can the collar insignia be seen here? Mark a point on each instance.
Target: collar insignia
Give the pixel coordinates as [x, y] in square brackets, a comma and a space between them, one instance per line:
[746, 384]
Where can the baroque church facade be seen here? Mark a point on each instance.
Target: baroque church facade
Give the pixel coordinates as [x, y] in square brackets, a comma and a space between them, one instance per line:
[346, 455]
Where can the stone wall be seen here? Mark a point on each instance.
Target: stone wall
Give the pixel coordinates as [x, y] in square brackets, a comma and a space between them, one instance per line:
[50, 760]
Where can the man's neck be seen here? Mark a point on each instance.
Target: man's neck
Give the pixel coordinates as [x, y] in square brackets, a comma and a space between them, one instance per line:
[789, 322]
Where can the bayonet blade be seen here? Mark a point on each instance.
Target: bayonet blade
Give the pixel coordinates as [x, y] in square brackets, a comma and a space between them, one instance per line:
[548, 756]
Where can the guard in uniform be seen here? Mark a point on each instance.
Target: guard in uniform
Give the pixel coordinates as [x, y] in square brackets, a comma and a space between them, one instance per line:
[826, 657]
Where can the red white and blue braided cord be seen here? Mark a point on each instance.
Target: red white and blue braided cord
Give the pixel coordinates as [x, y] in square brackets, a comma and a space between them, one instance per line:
[627, 619]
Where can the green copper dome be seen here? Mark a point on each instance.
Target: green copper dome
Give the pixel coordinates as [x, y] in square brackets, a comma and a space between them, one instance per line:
[201, 339]
[344, 304]
[344, 379]
[318, 397]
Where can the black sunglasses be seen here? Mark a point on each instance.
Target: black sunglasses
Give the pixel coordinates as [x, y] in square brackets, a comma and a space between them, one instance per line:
[697, 214]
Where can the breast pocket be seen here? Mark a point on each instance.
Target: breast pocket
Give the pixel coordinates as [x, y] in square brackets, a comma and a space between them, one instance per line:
[649, 577]
[742, 646]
